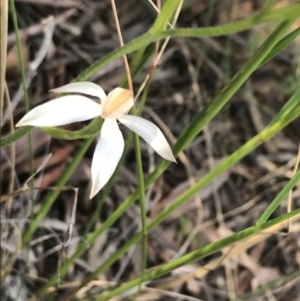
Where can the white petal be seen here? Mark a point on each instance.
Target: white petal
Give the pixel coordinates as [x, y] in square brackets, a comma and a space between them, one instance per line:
[61, 111]
[107, 155]
[87, 88]
[150, 133]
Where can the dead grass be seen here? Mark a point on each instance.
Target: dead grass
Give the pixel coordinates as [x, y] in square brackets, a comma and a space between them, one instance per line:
[189, 74]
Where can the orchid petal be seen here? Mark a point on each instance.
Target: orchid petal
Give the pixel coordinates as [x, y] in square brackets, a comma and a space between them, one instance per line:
[107, 155]
[118, 102]
[87, 88]
[150, 133]
[61, 111]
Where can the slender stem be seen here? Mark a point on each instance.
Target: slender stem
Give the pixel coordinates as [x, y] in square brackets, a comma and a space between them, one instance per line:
[6, 141]
[122, 44]
[20, 56]
[279, 198]
[3, 50]
[148, 38]
[142, 198]
[24, 84]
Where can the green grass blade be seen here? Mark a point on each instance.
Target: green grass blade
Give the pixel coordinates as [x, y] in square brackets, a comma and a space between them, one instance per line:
[142, 198]
[24, 85]
[288, 107]
[164, 16]
[20, 55]
[199, 254]
[279, 198]
[282, 44]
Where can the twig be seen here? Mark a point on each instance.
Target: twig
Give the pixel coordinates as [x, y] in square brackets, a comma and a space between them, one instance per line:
[3, 51]
[38, 28]
[59, 3]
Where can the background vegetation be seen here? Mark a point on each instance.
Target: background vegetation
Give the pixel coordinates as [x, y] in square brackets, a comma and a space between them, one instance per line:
[221, 79]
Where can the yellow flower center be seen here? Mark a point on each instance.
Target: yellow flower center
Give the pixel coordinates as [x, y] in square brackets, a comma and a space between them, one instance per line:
[118, 102]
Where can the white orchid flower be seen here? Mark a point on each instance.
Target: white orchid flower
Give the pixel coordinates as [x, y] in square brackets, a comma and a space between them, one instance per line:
[112, 107]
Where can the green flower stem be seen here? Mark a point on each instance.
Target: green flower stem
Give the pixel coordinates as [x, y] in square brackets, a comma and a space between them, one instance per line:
[20, 56]
[89, 131]
[54, 194]
[148, 38]
[19, 133]
[141, 190]
[185, 138]
[199, 254]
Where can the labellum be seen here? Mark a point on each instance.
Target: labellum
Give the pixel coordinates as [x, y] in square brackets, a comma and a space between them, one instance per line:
[118, 102]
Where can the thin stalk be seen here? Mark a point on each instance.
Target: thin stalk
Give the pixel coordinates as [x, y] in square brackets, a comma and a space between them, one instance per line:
[142, 198]
[24, 84]
[279, 198]
[3, 50]
[122, 44]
